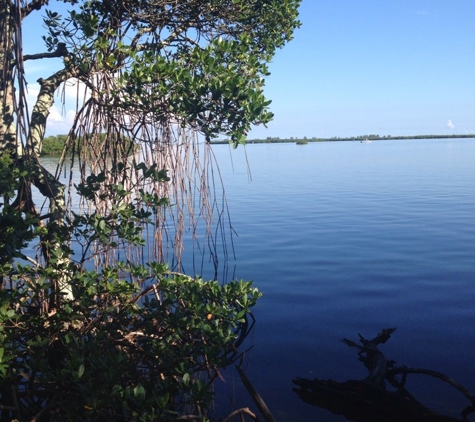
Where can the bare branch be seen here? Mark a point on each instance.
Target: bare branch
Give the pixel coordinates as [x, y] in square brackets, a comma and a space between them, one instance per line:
[244, 410]
[42, 108]
[267, 415]
[404, 370]
[30, 7]
[61, 51]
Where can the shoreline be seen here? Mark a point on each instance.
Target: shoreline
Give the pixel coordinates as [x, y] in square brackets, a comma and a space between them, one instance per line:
[303, 140]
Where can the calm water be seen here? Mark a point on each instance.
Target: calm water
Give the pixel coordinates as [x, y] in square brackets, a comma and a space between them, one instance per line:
[346, 238]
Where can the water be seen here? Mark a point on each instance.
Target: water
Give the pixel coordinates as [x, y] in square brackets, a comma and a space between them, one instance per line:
[346, 238]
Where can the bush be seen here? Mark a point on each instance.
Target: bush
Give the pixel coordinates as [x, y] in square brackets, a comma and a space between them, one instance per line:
[121, 352]
[137, 343]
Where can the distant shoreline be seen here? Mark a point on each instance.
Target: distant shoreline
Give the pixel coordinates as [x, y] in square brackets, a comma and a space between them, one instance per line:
[53, 145]
[276, 140]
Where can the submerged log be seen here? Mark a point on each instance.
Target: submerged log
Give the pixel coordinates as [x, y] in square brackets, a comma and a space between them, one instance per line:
[368, 399]
[362, 401]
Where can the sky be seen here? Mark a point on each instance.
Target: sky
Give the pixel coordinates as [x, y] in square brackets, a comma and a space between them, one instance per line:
[385, 67]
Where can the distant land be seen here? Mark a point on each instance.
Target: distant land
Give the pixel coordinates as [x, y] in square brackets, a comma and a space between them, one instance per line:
[53, 145]
[304, 140]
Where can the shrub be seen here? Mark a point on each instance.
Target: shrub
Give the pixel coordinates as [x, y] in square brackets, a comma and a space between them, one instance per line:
[137, 343]
[120, 352]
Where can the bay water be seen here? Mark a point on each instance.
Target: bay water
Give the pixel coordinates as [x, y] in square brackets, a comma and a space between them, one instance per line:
[345, 238]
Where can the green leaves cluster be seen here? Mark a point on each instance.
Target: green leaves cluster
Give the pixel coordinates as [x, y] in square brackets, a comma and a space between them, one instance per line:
[142, 349]
[54, 145]
[217, 88]
[199, 62]
[17, 229]
[138, 342]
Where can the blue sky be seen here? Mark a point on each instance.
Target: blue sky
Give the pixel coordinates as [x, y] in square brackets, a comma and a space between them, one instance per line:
[387, 67]
[356, 67]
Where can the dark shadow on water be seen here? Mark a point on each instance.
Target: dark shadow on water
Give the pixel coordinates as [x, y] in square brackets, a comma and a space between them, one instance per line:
[382, 395]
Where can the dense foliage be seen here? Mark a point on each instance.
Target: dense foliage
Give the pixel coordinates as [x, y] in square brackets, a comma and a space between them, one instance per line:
[54, 145]
[140, 343]
[198, 63]
[93, 326]
[146, 350]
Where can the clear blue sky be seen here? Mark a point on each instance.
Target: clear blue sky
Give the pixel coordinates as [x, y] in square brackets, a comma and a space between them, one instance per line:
[356, 67]
[387, 67]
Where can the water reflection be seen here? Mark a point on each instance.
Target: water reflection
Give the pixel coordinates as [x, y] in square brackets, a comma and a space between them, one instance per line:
[371, 399]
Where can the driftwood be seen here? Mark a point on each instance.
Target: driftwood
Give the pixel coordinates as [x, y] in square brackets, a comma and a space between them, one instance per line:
[368, 399]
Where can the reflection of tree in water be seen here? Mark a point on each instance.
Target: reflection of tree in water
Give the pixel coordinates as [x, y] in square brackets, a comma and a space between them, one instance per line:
[368, 399]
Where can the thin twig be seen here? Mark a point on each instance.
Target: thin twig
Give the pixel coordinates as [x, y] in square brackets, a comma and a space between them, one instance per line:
[243, 410]
[435, 374]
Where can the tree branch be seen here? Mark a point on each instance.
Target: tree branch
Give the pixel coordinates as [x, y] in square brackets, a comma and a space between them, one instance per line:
[61, 51]
[404, 371]
[33, 5]
[47, 184]
[244, 410]
[267, 415]
[42, 108]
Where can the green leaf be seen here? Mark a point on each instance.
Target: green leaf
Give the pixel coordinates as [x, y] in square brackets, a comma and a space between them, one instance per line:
[139, 392]
[186, 379]
[81, 370]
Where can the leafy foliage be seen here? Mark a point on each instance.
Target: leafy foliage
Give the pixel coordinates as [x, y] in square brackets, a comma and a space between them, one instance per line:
[57, 145]
[143, 350]
[140, 343]
[198, 63]
[127, 341]
[53, 145]
[17, 229]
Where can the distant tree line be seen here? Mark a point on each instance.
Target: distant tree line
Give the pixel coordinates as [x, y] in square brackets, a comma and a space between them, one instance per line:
[54, 145]
[373, 137]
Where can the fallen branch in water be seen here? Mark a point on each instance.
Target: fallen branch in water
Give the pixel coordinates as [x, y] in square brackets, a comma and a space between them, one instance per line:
[256, 396]
[371, 356]
[368, 399]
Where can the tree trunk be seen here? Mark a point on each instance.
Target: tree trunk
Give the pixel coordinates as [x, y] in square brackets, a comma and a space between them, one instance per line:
[27, 153]
[47, 184]
[8, 142]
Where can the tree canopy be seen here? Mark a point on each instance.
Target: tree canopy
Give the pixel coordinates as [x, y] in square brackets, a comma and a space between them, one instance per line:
[166, 74]
[94, 325]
